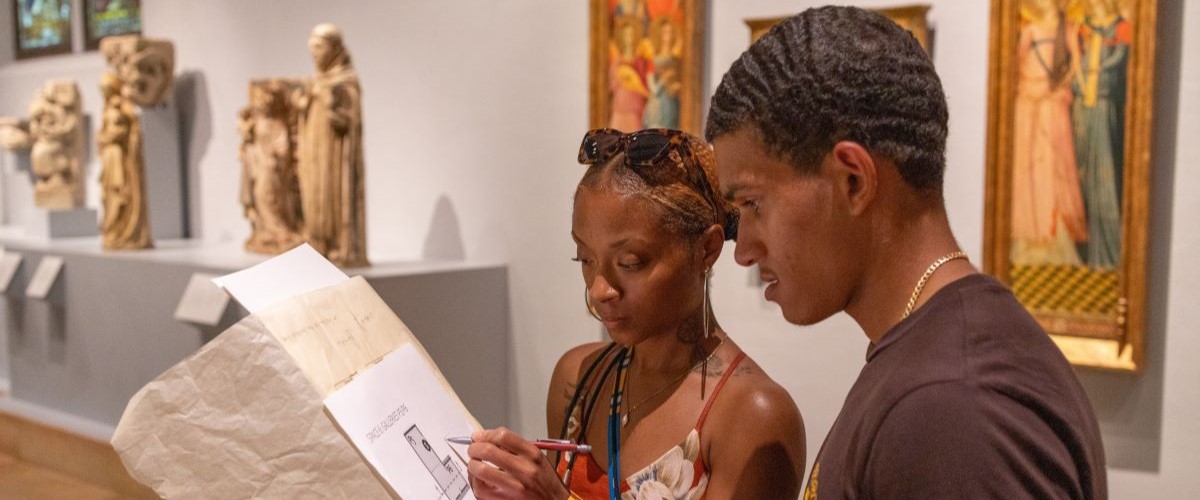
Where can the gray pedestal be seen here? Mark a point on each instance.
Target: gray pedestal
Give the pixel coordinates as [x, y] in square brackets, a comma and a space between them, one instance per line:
[108, 327]
[47, 224]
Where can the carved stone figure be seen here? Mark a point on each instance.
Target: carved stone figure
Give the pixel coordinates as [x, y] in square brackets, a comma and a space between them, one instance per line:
[126, 223]
[14, 134]
[330, 156]
[270, 191]
[141, 71]
[145, 67]
[54, 136]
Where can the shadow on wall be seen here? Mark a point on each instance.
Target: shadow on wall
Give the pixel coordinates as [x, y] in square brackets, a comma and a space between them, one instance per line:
[195, 130]
[1130, 407]
[444, 241]
[89, 140]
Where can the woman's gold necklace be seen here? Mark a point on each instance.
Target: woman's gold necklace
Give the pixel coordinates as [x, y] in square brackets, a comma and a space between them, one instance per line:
[625, 417]
[912, 301]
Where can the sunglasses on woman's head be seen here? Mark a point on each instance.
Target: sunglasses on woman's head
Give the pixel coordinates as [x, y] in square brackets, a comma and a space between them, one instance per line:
[642, 148]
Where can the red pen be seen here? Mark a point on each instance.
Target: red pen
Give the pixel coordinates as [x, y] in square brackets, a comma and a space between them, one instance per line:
[541, 444]
[562, 445]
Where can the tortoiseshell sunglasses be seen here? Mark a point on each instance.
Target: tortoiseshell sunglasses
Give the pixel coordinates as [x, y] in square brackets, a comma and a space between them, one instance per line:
[642, 148]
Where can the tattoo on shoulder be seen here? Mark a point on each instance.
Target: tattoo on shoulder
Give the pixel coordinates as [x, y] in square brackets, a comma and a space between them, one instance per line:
[568, 393]
[717, 368]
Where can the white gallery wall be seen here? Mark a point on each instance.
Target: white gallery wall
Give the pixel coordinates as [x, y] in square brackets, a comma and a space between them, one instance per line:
[473, 113]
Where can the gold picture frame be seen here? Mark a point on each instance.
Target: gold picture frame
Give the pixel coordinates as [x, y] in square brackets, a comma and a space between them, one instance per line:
[647, 64]
[1070, 104]
[914, 18]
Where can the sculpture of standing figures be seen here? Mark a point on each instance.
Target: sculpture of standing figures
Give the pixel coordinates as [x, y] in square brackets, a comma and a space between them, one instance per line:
[330, 153]
[270, 196]
[141, 71]
[126, 223]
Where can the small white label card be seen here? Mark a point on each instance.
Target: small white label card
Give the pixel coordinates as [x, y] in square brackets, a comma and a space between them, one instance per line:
[399, 414]
[44, 277]
[203, 302]
[10, 262]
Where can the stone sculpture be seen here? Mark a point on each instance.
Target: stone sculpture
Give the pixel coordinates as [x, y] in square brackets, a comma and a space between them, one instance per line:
[330, 152]
[54, 137]
[140, 74]
[270, 191]
[145, 67]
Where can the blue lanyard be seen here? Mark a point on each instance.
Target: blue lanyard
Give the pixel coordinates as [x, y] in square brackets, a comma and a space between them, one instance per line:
[614, 426]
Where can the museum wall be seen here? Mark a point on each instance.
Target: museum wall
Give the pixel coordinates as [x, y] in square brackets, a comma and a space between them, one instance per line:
[473, 113]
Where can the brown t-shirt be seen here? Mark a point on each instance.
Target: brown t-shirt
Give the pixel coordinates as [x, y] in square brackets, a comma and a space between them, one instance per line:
[966, 398]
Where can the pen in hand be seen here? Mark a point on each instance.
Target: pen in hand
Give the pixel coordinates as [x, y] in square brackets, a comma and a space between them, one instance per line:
[541, 444]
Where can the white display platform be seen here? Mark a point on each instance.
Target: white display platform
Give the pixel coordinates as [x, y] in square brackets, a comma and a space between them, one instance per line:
[107, 326]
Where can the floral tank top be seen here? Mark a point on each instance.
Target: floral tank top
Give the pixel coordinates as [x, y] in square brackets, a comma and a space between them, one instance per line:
[678, 474]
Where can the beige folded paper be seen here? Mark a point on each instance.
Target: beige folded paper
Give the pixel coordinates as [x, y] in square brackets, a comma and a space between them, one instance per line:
[243, 416]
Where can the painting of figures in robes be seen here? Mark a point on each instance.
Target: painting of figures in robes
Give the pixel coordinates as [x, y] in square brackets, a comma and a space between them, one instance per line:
[1069, 131]
[646, 64]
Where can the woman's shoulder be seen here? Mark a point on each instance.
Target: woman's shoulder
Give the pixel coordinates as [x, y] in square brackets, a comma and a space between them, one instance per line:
[565, 380]
[572, 363]
[751, 398]
[754, 434]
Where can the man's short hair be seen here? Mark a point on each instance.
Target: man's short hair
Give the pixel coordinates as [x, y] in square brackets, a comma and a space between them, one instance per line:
[831, 74]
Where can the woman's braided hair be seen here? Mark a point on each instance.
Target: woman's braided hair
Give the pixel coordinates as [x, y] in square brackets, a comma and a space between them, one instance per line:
[682, 186]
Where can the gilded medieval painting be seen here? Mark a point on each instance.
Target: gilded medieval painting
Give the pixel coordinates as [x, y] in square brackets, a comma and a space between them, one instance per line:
[646, 64]
[909, 17]
[1070, 100]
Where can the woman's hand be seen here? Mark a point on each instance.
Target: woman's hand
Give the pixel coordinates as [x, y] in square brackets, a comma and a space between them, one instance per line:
[506, 466]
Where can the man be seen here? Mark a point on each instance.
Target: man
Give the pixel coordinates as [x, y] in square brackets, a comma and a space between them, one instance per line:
[830, 136]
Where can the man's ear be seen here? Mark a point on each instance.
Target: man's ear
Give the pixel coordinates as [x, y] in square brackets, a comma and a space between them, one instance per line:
[711, 243]
[856, 175]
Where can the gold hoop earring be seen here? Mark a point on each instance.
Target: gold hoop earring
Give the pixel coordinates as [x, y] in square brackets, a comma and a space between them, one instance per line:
[590, 308]
[704, 308]
[704, 312]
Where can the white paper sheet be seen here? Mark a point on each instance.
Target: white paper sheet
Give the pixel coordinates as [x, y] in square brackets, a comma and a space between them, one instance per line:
[335, 332]
[297, 271]
[398, 415]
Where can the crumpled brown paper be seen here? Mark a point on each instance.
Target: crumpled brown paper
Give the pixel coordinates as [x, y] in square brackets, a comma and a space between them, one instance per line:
[239, 420]
[243, 417]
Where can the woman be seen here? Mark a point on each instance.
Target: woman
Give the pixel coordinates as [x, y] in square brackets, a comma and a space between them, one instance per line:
[1047, 208]
[1099, 114]
[692, 415]
[627, 76]
[662, 106]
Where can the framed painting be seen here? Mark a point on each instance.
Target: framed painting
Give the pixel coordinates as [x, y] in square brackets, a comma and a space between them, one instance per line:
[910, 17]
[103, 18]
[1070, 98]
[646, 64]
[41, 27]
